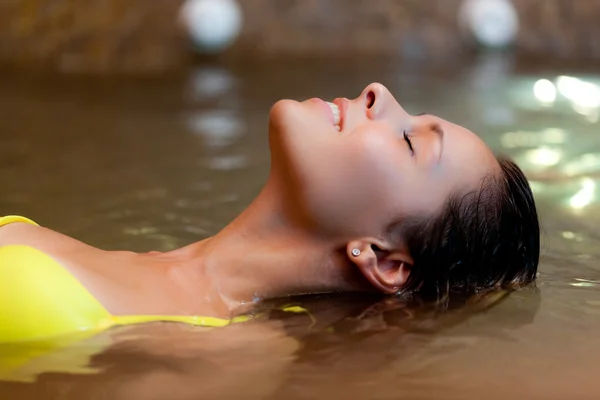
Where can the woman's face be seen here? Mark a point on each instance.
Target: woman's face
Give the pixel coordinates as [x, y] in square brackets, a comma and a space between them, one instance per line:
[377, 165]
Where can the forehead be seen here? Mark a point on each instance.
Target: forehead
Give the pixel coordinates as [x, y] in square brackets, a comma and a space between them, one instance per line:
[465, 153]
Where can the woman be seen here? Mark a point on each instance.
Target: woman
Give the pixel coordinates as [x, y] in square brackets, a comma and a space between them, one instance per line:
[362, 196]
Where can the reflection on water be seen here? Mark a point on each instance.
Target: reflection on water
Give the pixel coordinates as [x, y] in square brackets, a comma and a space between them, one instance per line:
[210, 83]
[156, 165]
[545, 91]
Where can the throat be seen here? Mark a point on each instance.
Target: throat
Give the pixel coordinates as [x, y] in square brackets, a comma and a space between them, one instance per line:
[280, 265]
[266, 253]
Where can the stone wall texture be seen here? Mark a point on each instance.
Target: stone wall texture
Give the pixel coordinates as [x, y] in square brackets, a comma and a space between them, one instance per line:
[143, 35]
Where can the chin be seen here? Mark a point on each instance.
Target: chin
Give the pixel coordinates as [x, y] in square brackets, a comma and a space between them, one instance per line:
[285, 115]
[284, 110]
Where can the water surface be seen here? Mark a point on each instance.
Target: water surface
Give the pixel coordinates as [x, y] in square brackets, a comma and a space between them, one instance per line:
[153, 164]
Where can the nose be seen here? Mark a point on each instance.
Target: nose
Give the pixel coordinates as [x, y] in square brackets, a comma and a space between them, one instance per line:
[379, 102]
[374, 99]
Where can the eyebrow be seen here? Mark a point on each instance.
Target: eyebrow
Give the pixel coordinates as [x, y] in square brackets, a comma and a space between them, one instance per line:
[440, 132]
[437, 128]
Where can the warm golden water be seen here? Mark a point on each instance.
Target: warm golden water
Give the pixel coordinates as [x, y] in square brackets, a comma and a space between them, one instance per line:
[154, 164]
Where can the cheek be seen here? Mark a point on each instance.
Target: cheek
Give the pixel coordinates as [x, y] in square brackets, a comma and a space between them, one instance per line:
[392, 181]
[348, 185]
[379, 155]
[380, 167]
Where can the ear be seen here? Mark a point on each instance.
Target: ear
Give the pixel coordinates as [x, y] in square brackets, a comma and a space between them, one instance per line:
[387, 269]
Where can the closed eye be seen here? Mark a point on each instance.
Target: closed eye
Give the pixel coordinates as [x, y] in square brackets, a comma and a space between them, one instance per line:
[409, 141]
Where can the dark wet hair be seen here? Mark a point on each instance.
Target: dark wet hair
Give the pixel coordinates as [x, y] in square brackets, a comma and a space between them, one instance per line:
[485, 239]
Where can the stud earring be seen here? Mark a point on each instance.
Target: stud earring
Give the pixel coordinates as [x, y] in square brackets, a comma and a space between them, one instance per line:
[355, 252]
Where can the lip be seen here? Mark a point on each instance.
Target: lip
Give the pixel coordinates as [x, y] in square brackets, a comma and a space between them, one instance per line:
[342, 104]
[325, 108]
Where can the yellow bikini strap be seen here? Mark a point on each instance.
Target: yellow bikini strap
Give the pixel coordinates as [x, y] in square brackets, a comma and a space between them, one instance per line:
[9, 219]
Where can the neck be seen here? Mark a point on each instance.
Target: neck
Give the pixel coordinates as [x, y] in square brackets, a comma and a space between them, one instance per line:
[265, 254]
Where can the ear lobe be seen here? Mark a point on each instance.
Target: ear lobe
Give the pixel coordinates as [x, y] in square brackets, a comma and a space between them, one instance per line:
[387, 272]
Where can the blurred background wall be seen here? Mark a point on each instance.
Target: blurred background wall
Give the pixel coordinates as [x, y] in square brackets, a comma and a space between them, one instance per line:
[146, 35]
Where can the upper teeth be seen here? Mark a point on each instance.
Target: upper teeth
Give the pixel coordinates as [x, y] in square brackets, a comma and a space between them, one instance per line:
[336, 115]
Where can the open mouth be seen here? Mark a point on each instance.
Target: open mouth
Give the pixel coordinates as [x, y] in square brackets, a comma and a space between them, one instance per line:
[337, 116]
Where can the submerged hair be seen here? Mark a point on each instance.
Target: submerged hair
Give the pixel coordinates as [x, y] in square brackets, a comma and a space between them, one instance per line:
[485, 239]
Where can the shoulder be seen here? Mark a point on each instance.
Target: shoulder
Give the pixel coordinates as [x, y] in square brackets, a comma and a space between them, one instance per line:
[84, 262]
[38, 237]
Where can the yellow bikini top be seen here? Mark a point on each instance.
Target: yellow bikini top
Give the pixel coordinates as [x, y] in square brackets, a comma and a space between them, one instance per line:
[40, 299]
